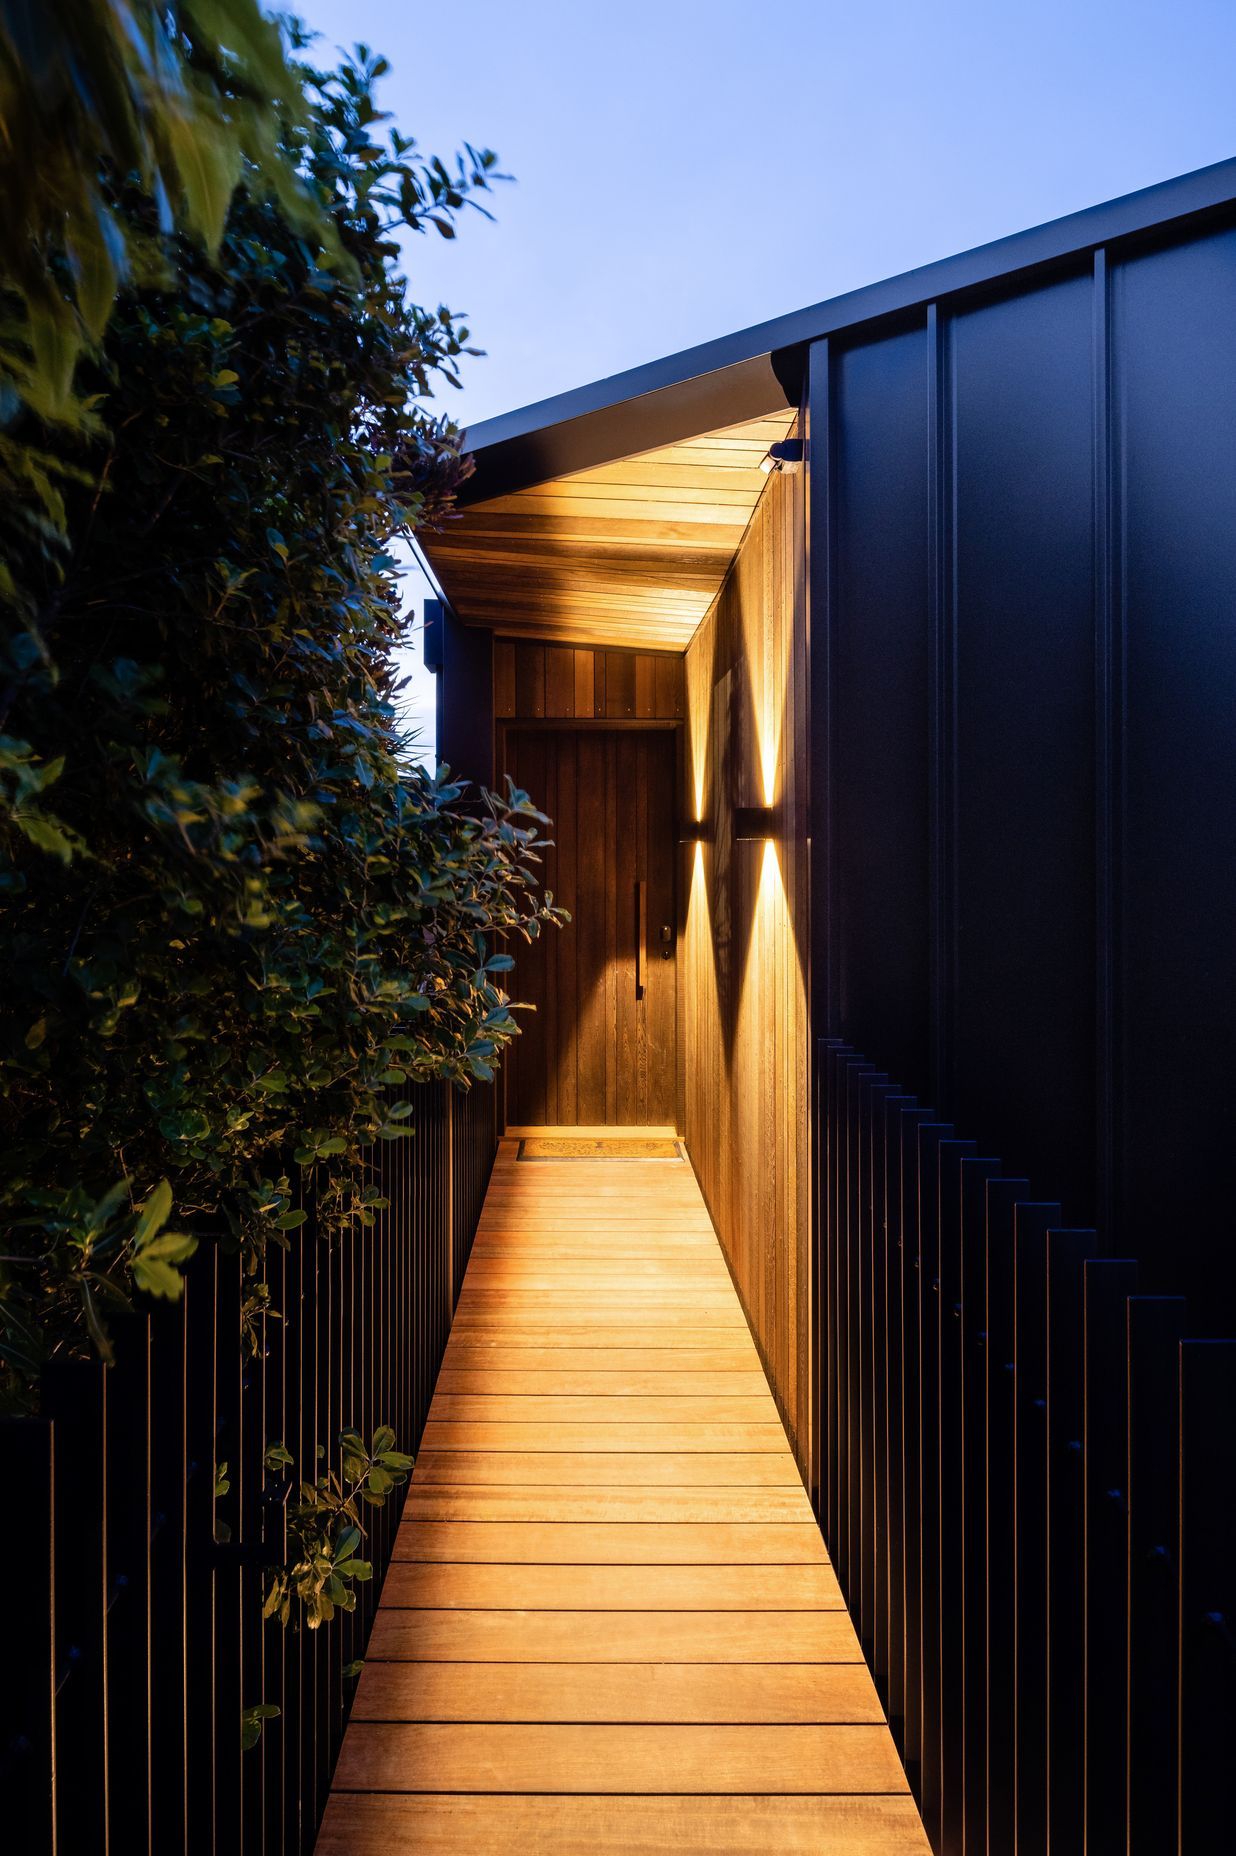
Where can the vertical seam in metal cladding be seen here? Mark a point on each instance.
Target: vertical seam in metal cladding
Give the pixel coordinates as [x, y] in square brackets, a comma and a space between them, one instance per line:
[949, 560]
[942, 633]
[1104, 759]
[821, 614]
[1117, 542]
[818, 424]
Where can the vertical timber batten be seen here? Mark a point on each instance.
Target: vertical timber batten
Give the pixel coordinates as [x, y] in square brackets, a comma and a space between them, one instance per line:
[743, 991]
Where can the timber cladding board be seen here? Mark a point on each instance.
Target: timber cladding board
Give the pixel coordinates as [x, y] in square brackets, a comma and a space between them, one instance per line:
[618, 1629]
[627, 553]
[536, 679]
[599, 1046]
[743, 1029]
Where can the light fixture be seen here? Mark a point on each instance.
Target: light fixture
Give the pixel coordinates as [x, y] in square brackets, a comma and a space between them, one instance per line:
[434, 627]
[692, 831]
[754, 822]
[786, 454]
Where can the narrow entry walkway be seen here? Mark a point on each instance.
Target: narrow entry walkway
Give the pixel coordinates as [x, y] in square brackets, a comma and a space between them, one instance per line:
[610, 1623]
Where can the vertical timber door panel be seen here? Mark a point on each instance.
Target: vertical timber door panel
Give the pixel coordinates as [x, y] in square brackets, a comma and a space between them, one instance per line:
[594, 1052]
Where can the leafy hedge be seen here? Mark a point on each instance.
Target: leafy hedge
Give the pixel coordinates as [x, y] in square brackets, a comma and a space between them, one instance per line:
[234, 911]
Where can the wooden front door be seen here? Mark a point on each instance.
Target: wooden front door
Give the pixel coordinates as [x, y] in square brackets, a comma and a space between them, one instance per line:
[600, 1048]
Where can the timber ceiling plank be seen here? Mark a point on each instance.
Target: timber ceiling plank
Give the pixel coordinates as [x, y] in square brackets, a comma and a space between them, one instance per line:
[631, 552]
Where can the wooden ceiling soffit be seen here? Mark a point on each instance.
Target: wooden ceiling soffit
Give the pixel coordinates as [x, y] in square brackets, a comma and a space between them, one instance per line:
[631, 552]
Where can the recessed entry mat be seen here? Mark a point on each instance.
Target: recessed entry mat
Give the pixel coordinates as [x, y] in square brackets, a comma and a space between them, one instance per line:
[620, 1147]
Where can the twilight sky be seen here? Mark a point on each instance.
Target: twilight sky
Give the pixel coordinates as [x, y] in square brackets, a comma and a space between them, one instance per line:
[687, 167]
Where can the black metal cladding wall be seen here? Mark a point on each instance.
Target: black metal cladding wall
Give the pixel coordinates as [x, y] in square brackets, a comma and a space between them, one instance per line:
[134, 1638]
[1023, 560]
[1023, 631]
[1027, 1487]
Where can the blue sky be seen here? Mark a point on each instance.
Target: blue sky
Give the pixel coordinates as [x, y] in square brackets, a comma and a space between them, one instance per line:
[685, 168]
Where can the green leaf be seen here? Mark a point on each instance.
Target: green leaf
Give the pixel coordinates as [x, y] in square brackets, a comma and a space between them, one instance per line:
[97, 278]
[154, 1214]
[397, 1460]
[45, 835]
[157, 1276]
[171, 1247]
[208, 165]
[251, 1722]
[188, 1125]
[57, 346]
[347, 1542]
[36, 1034]
[94, 1324]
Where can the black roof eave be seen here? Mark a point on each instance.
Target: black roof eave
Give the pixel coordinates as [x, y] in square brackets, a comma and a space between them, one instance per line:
[759, 370]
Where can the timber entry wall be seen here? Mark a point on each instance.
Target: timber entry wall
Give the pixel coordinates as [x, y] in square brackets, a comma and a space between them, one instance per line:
[594, 736]
[599, 1044]
[743, 995]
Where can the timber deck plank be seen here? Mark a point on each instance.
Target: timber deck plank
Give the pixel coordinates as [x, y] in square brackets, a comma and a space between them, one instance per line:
[591, 1382]
[379, 1825]
[599, 1469]
[788, 1693]
[614, 1588]
[613, 1543]
[547, 1502]
[610, 1624]
[505, 1756]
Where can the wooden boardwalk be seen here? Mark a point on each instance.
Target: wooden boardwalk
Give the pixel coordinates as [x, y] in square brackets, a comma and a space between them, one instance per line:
[610, 1624]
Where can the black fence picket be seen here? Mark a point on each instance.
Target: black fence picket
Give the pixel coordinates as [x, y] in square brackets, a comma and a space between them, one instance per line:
[1025, 1479]
[148, 1519]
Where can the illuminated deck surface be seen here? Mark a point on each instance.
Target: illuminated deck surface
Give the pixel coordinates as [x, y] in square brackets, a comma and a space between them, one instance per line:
[610, 1623]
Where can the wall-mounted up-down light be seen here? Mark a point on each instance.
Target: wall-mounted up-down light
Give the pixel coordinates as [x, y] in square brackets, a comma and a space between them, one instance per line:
[754, 823]
[748, 825]
[786, 454]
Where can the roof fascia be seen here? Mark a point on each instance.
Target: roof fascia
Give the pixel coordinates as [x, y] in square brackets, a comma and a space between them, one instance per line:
[759, 370]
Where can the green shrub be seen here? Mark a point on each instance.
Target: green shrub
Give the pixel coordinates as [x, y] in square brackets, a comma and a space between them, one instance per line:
[235, 914]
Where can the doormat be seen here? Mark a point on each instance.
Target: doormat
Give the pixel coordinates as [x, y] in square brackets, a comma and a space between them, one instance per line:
[625, 1147]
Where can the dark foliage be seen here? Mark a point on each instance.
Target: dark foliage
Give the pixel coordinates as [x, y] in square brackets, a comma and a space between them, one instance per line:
[235, 912]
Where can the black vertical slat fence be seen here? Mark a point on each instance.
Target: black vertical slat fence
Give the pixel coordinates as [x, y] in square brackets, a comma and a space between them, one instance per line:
[1026, 1483]
[474, 1140]
[147, 1520]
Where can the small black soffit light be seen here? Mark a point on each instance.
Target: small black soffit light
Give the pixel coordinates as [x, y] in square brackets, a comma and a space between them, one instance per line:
[786, 454]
